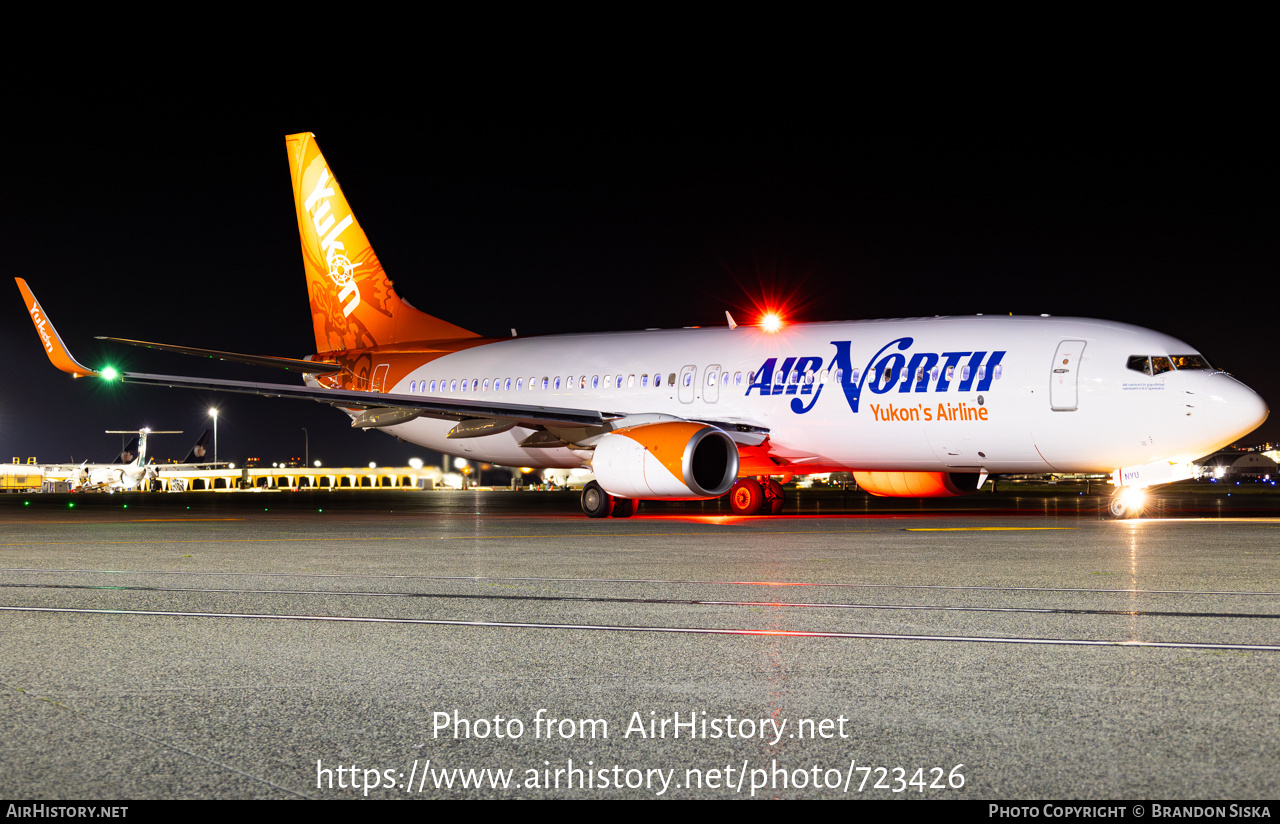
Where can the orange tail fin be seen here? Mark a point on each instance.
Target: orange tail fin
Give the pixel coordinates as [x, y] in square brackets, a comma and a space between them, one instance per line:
[353, 305]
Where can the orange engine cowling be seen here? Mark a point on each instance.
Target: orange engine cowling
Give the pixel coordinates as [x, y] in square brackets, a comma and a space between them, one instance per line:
[672, 459]
[918, 484]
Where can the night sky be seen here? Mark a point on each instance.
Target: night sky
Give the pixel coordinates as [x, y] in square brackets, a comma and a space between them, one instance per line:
[166, 215]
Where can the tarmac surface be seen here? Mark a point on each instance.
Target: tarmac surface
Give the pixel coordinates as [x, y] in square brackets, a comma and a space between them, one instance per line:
[1016, 645]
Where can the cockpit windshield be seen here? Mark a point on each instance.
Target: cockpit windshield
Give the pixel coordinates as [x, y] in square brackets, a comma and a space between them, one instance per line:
[1156, 364]
[1189, 362]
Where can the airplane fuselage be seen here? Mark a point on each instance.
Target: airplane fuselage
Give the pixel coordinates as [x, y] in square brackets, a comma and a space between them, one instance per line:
[949, 394]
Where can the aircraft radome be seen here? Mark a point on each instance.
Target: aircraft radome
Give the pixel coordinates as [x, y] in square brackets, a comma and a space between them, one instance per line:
[917, 407]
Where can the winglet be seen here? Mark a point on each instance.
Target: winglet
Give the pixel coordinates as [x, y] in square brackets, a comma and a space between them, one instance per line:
[53, 345]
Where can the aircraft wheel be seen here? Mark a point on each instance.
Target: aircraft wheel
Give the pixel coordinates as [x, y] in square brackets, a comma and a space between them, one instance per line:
[1127, 504]
[596, 502]
[1116, 507]
[625, 507]
[746, 497]
[774, 497]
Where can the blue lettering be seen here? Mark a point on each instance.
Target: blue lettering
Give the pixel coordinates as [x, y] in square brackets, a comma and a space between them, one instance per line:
[927, 360]
[764, 378]
[883, 373]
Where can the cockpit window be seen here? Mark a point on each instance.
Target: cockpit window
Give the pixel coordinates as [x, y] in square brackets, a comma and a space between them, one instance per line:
[1157, 364]
[1140, 363]
[1189, 362]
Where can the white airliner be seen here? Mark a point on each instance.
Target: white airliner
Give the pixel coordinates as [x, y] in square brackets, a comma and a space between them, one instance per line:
[916, 407]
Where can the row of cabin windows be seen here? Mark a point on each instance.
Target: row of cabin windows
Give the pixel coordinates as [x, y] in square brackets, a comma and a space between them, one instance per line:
[888, 375]
[554, 383]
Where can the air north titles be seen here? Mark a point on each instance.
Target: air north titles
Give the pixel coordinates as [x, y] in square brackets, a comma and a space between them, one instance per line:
[884, 373]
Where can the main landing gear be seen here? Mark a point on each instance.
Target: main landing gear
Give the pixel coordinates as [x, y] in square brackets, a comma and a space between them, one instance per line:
[1128, 502]
[600, 504]
[750, 496]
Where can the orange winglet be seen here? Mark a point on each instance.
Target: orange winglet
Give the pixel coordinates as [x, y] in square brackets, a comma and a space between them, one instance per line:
[53, 345]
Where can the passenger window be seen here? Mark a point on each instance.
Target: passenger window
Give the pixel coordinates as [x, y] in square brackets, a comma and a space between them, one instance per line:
[475, 384]
[545, 383]
[582, 382]
[644, 380]
[595, 381]
[671, 379]
[631, 381]
[982, 372]
[433, 386]
[464, 386]
[557, 386]
[838, 375]
[737, 379]
[933, 374]
[688, 378]
[413, 387]
[453, 385]
[618, 382]
[751, 377]
[951, 372]
[794, 377]
[725, 380]
[657, 379]
[485, 385]
[711, 379]
[998, 371]
[964, 374]
[608, 381]
[1139, 363]
[1160, 364]
[519, 384]
[507, 385]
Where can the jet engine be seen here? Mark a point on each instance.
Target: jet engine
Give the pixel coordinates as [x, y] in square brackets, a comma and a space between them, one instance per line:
[918, 484]
[671, 459]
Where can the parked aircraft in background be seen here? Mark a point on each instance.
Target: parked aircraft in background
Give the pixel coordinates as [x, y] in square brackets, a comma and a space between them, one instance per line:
[913, 407]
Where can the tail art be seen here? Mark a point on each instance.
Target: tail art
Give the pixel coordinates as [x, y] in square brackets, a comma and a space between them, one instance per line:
[128, 454]
[353, 305]
[200, 452]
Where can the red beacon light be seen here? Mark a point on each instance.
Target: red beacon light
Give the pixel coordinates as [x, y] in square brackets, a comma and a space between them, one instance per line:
[771, 322]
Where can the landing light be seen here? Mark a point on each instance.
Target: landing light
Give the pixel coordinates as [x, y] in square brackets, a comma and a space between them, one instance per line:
[1134, 498]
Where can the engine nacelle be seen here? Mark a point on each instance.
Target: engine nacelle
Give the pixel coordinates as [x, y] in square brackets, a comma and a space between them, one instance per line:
[918, 484]
[671, 460]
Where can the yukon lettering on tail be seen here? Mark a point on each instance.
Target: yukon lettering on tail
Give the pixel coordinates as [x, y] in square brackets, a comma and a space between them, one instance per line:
[339, 266]
[883, 373]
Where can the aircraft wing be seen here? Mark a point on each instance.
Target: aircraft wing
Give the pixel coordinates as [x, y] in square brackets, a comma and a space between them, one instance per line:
[395, 408]
[291, 364]
[448, 408]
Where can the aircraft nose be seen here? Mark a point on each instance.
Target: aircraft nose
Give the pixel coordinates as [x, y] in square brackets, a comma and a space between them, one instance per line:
[1235, 408]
